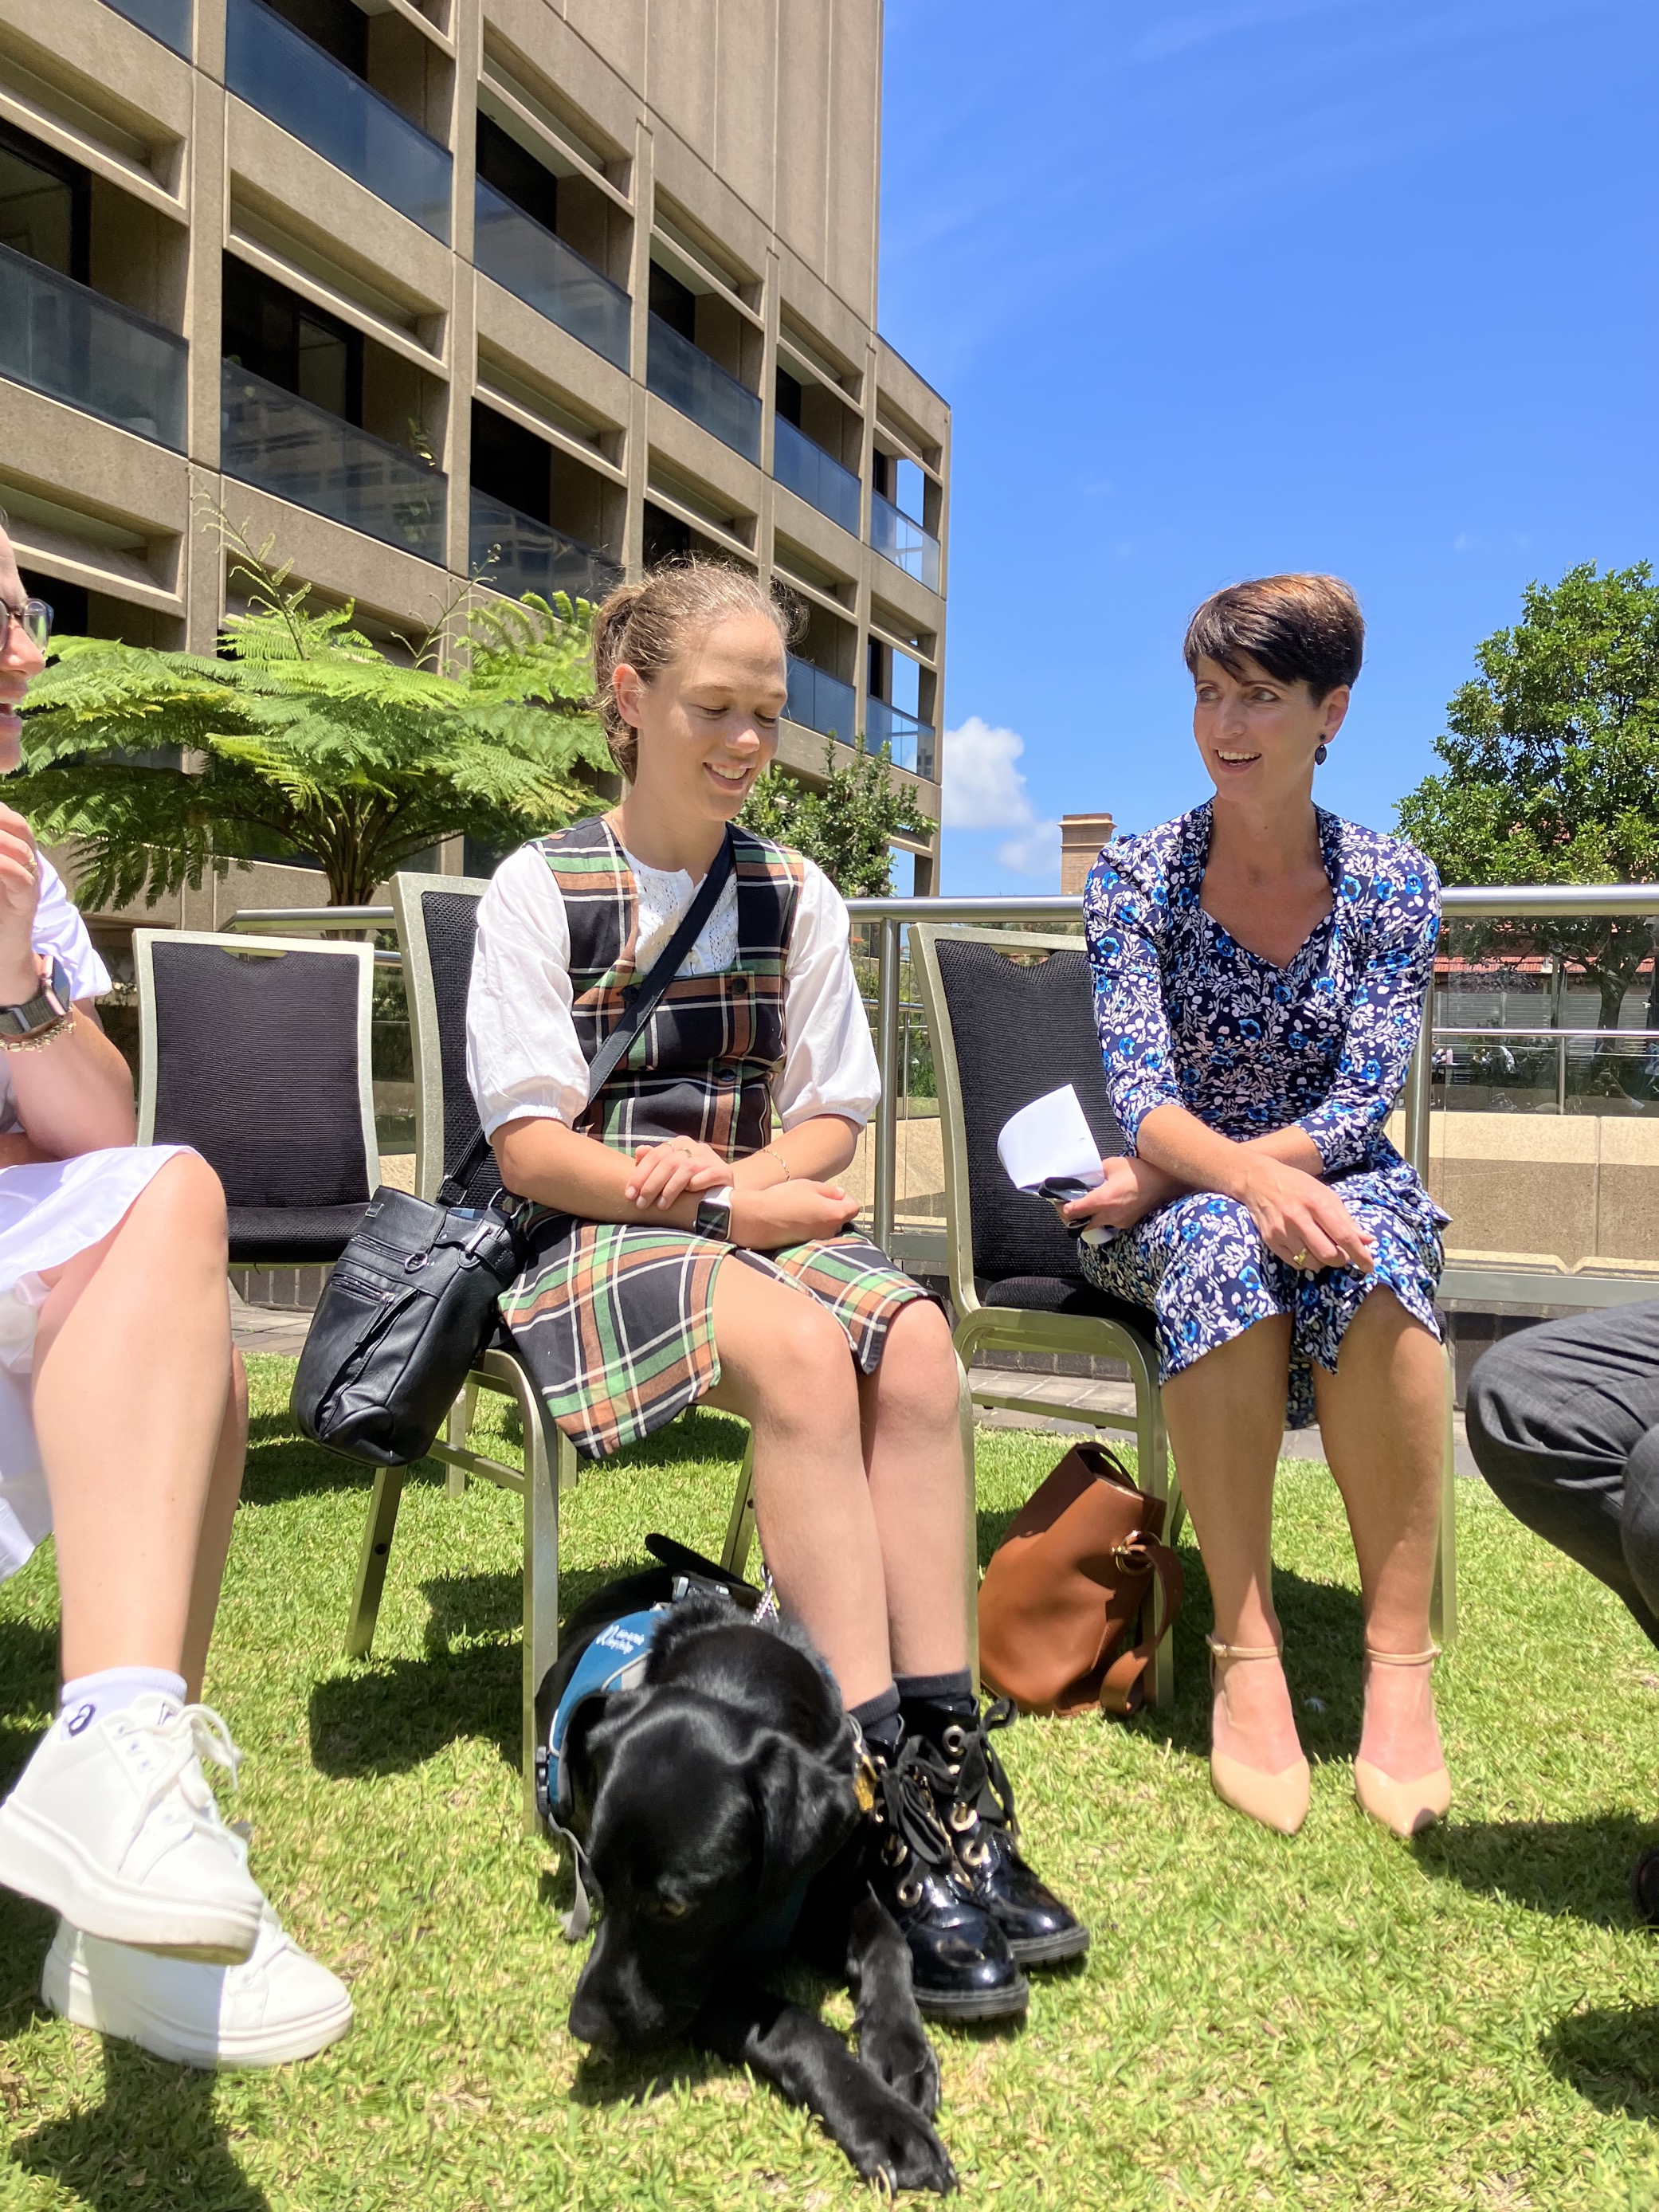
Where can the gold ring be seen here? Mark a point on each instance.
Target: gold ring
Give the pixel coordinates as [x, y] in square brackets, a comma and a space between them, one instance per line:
[1298, 1259]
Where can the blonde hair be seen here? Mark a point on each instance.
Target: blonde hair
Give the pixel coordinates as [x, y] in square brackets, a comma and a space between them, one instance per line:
[647, 625]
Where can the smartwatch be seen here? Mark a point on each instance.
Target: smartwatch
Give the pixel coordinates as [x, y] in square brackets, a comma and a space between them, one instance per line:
[51, 1005]
[714, 1216]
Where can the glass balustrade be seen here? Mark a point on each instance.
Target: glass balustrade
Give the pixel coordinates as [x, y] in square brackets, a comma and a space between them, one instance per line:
[904, 541]
[820, 702]
[514, 553]
[548, 276]
[72, 344]
[166, 20]
[286, 76]
[283, 444]
[804, 467]
[694, 383]
[910, 738]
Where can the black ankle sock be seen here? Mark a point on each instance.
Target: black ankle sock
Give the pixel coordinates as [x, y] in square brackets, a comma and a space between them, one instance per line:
[881, 1720]
[932, 1703]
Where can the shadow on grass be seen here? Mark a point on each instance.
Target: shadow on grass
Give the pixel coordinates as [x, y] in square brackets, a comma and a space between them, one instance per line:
[29, 1691]
[1568, 1870]
[155, 2143]
[1610, 2056]
[388, 1717]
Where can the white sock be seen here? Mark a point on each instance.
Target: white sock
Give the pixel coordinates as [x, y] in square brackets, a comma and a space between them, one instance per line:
[90, 1696]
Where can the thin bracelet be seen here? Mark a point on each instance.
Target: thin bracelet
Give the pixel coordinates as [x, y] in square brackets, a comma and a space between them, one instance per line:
[782, 1162]
[41, 1038]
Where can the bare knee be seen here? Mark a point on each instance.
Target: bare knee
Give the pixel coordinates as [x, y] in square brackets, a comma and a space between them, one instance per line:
[182, 1212]
[804, 1377]
[917, 1378]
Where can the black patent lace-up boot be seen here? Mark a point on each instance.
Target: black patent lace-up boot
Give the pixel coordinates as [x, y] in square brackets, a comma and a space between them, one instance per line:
[961, 1966]
[975, 1801]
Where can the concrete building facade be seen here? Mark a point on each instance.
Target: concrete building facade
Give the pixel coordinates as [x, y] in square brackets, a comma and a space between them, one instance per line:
[541, 290]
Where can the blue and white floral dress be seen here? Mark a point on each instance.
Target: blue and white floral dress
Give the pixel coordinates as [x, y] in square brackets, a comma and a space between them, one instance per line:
[1187, 1016]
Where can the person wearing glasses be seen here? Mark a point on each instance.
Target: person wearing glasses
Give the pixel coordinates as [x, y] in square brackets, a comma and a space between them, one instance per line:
[123, 1430]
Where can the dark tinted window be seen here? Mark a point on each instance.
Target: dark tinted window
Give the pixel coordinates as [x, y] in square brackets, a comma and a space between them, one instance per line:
[286, 340]
[517, 175]
[667, 537]
[67, 602]
[338, 27]
[510, 463]
[675, 302]
[789, 397]
[46, 204]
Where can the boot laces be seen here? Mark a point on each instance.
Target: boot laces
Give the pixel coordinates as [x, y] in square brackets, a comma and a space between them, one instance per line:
[967, 1778]
[905, 1806]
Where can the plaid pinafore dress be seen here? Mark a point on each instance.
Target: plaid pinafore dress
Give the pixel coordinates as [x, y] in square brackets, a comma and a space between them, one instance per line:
[615, 1319]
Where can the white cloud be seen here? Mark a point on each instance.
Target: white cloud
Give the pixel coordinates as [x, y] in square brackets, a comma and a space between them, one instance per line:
[983, 788]
[1035, 853]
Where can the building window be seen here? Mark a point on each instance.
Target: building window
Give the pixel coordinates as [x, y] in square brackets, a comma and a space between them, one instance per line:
[510, 463]
[45, 205]
[789, 397]
[675, 303]
[338, 27]
[283, 338]
[517, 175]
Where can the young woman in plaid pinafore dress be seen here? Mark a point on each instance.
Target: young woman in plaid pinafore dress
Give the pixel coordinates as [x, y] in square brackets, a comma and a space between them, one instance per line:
[776, 1311]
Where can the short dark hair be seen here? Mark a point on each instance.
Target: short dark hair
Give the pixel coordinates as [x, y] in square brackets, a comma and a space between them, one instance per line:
[1302, 629]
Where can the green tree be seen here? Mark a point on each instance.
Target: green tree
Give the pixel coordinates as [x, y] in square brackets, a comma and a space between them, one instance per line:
[303, 735]
[1551, 767]
[848, 827]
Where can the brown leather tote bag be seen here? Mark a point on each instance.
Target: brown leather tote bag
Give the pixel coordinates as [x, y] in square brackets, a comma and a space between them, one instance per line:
[1068, 1586]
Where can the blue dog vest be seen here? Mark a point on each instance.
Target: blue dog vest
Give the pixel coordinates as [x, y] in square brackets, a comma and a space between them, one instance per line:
[615, 1660]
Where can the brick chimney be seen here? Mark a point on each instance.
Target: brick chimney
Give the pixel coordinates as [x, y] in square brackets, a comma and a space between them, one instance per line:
[1081, 836]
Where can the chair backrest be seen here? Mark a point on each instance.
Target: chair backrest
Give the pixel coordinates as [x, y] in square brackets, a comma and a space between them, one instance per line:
[1006, 1031]
[256, 1051]
[437, 922]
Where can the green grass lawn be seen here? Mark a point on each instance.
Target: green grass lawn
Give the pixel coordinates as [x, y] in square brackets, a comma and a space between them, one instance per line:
[1336, 2021]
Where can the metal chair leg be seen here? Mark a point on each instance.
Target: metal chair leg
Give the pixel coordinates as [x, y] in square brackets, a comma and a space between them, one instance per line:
[970, 1493]
[740, 1527]
[1443, 1596]
[372, 1561]
[457, 1432]
[1158, 1479]
[544, 1450]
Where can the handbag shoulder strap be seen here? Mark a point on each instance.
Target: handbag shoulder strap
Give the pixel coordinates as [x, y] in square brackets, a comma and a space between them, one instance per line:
[639, 1000]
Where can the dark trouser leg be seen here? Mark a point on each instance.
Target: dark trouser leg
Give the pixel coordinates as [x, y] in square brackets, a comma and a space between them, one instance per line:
[1563, 1423]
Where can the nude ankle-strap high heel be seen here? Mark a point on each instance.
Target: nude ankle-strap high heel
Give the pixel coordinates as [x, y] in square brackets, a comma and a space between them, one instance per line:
[1406, 1808]
[1277, 1801]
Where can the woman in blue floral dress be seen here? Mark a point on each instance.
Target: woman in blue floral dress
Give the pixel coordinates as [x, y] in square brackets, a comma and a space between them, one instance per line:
[1260, 966]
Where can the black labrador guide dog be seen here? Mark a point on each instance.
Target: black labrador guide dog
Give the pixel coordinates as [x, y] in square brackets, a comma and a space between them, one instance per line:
[716, 1805]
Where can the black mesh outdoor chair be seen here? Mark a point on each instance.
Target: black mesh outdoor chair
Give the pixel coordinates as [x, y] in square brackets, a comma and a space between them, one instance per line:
[437, 920]
[255, 1051]
[1005, 1031]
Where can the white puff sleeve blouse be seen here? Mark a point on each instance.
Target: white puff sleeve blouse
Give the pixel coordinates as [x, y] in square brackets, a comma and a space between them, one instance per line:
[523, 1061]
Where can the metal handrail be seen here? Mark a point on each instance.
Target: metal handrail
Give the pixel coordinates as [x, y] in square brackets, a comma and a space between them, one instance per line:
[1509, 901]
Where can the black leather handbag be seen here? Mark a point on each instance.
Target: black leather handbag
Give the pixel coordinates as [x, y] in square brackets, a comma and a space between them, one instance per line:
[414, 1297]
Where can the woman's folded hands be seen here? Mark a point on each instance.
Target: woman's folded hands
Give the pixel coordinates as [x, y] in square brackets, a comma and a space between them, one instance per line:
[764, 1218]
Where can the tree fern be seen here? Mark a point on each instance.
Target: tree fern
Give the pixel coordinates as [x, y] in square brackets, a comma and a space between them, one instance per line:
[305, 733]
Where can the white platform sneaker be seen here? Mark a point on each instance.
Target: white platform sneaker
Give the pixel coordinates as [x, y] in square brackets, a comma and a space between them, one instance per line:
[113, 1825]
[277, 2005]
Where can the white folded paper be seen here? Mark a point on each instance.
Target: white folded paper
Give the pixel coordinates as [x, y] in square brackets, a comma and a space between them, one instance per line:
[1048, 1138]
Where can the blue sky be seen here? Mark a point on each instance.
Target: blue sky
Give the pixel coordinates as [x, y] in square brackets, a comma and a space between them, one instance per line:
[1221, 287]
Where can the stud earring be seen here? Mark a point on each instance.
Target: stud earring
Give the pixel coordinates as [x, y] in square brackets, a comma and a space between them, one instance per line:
[1320, 751]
